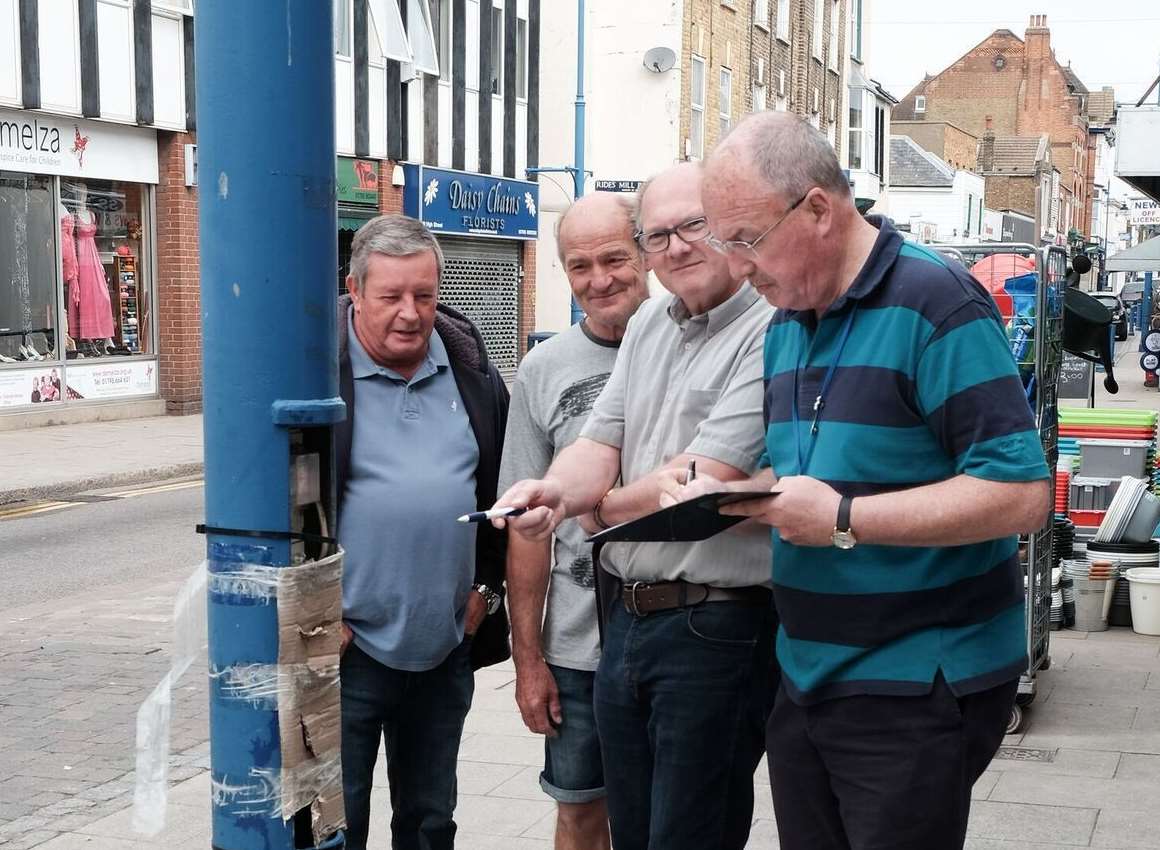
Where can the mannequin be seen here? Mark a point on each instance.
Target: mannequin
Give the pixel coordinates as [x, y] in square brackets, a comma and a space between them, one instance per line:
[70, 273]
[94, 309]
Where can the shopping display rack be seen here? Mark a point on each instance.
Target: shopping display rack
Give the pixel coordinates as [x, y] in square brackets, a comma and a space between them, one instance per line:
[1036, 332]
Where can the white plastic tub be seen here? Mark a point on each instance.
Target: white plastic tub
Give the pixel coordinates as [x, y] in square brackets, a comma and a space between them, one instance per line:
[1145, 593]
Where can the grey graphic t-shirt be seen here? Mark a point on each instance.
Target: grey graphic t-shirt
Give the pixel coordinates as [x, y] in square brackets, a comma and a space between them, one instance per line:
[558, 382]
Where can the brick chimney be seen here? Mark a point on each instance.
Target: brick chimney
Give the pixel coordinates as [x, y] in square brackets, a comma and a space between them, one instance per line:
[1037, 61]
[987, 148]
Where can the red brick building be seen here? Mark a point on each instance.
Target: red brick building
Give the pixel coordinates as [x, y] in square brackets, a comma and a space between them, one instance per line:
[1022, 89]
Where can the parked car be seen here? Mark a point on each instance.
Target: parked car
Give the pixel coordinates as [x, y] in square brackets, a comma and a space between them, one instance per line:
[1119, 313]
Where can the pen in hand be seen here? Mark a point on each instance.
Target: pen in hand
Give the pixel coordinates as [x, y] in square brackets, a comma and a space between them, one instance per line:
[494, 513]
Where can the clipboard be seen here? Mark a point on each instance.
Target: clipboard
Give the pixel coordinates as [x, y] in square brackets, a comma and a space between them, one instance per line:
[685, 522]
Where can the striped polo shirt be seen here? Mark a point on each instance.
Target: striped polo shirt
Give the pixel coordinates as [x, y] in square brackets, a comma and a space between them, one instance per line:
[926, 389]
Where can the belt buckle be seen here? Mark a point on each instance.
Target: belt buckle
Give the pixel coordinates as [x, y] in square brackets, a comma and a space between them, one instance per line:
[633, 607]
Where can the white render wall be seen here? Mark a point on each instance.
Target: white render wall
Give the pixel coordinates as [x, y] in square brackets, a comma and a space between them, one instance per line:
[946, 208]
[632, 123]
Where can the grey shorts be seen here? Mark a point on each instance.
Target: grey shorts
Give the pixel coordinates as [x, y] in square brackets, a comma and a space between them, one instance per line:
[573, 771]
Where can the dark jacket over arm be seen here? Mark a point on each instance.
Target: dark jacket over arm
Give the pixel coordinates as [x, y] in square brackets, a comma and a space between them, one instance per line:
[486, 398]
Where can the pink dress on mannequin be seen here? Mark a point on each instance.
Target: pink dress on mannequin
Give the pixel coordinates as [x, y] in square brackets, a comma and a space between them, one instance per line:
[95, 309]
[68, 253]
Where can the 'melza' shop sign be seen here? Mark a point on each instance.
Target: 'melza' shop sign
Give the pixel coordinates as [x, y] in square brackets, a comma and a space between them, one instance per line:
[39, 143]
[472, 204]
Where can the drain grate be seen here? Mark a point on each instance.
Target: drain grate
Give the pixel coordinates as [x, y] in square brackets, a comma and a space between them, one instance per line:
[1025, 754]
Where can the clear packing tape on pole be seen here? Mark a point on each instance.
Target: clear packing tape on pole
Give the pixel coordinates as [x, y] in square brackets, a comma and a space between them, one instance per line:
[303, 687]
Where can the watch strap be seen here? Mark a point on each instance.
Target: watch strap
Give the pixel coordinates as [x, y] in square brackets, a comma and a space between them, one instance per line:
[844, 507]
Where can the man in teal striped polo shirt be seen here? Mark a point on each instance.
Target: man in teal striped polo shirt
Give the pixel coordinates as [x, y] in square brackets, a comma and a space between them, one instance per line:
[903, 460]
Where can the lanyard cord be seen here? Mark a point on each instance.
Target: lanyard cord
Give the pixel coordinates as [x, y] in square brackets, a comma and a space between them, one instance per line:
[820, 401]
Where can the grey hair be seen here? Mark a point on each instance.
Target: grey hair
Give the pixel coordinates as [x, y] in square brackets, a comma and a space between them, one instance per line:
[627, 205]
[392, 236]
[791, 154]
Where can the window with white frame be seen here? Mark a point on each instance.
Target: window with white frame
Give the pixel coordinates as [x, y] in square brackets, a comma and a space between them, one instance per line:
[783, 20]
[854, 10]
[780, 104]
[855, 143]
[879, 141]
[343, 27]
[920, 103]
[816, 37]
[445, 40]
[185, 6]
[835, 31]
[725, 102]
[521, 58]
[758, 98]
[496, 51]
[697, 108]
[761, 13]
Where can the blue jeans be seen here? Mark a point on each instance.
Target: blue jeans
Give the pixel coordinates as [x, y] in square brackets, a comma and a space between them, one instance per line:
[420, 716]
[681, 702]
[573, 772]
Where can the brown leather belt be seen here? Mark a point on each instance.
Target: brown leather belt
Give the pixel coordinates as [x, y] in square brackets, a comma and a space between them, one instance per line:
[640, 598]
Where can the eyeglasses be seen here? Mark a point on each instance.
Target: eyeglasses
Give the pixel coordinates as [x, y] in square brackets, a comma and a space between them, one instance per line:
[740, 246]
[655, 241]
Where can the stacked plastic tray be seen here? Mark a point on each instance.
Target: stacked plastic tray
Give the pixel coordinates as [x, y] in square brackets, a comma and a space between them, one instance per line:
[1102, 429]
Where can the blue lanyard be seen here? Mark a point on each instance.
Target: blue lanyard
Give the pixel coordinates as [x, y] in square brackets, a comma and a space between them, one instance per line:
[820, 401]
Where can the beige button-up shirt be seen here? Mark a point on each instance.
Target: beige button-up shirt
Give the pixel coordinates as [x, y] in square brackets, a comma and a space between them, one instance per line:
[690, 384]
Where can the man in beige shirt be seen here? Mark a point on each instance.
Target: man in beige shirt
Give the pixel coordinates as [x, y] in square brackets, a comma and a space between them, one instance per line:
[681, 690]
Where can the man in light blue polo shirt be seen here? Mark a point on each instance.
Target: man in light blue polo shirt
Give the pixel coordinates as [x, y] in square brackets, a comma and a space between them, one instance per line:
[421, 608]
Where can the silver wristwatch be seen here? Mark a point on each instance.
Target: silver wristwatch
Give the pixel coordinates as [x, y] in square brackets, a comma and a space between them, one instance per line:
[490, 598]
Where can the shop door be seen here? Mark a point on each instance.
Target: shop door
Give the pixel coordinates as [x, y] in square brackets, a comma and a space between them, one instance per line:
[481, 279]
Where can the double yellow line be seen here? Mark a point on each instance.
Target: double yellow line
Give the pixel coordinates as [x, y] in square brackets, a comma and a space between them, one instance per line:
[27, 509]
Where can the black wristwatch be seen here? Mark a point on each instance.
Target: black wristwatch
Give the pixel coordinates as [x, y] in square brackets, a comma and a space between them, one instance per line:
[843, 536]
[490, 598]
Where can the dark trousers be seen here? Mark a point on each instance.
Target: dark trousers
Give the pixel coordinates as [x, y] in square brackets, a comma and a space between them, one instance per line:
[681, 698]
[882, 772]
[420, 716]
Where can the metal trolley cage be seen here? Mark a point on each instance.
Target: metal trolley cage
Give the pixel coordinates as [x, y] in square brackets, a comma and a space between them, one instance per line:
[1040, 365]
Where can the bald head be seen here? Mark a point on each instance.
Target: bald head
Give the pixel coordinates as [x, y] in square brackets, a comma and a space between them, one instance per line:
[681, 174]
[784, 151]
[608, 212]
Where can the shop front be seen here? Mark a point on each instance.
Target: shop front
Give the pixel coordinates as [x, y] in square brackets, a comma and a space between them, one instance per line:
[357, 193]
[78, 322]
[486, 227]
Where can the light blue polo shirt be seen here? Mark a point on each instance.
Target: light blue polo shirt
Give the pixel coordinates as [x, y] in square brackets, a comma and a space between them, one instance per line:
[409, 565]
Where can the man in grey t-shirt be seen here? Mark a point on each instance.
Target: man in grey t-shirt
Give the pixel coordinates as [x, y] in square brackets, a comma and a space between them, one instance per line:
[555, 389]
[683, 682]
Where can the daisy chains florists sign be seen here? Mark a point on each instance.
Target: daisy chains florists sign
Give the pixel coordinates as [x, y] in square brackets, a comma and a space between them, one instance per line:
[472, 204]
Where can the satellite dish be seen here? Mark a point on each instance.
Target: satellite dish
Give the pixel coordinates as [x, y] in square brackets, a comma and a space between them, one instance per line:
[660, 59]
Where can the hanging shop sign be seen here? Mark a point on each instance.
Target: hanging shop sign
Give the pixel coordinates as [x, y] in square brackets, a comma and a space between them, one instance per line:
[460, 202]
[1144, 212]
[69, 147]
[357, 181]
[106, 380]
[39, 386]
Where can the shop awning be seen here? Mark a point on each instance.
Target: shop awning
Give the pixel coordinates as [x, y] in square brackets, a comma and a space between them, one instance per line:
[1144, 257]
[348, 222]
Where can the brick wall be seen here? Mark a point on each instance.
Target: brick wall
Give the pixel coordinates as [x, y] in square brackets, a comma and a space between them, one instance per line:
[719, 34]
[178, 283]
[390, 197]
[726, 36]
[1011, 193]
[1026, 95]
[957, 147]
[527, 296]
